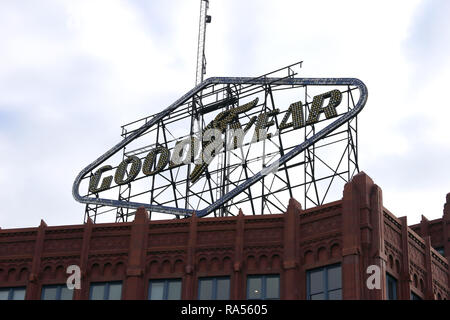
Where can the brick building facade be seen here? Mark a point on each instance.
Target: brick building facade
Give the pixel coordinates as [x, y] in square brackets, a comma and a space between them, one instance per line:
[286, 252]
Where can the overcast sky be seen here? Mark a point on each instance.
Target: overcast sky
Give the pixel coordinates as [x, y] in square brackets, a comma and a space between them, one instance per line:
[72, 72]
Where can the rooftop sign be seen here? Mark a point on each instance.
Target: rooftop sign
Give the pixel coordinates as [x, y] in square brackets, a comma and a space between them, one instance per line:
[215, 121]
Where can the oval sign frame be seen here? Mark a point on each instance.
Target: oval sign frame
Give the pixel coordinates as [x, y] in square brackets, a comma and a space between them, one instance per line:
[249, 182]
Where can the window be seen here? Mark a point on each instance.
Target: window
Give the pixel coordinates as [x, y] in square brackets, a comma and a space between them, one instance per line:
[440, 250]
[415, 296]
[168, 289]
[391, 285]
[324, 283]
[56, 292]
[106, 291]
[415, 280]
[263, 287]
[214, 288]
[17, 293]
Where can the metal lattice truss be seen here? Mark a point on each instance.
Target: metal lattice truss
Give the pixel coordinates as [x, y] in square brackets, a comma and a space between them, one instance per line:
[292, 158]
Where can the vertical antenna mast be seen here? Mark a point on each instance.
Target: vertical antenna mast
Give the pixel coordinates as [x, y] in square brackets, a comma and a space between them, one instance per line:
[201, 59]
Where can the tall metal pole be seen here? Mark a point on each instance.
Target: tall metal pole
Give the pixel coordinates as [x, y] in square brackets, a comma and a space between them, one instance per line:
[201, 59]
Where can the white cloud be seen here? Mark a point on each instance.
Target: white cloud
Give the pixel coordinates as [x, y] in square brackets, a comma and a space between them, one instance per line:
[72, 72]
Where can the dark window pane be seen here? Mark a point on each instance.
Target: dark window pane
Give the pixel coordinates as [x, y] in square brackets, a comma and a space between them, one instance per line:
[97, 292]
[156, 290]
[254, 288]
[115, 291]
[4, 294]
[334, 278]
[335, 295]
[49, 293]
[316, 282]
[174, 288]
[390, 292]
[391, 287]
[440, 250]
[66, 293]
[325, 283]
[206, 289]
[56, 292]
[415, 296]
[165, 289]
[273, 287]
[319, 296]
[223, 289]
[18, 294]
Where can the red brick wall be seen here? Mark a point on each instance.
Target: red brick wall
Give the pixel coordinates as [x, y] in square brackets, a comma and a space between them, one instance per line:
[356, 231]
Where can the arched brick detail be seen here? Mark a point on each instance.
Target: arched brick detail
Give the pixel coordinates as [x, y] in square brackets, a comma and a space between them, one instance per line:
[23, 274]
[108, 270]
[2, 275]
[153, 267]
[251, 263]
[391, 261]
[309, 257]
[335, 250]
[276, 261]
[60, 272]
[47, 272]
[203, 264]
[264, 262]
[166, 266]
[95, 270]
[215, 264]
[397, 266]
[119, 268]
[322, 254]
[178, 266]
[12, 275]
[227, 264]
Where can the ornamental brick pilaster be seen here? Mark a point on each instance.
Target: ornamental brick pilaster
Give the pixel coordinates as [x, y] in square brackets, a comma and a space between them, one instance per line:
[134, 284]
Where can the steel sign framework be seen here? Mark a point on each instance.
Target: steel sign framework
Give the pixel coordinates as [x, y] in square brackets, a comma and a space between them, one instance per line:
[304, 140]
